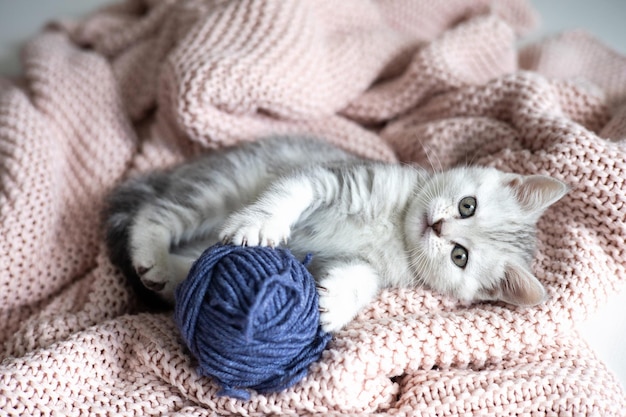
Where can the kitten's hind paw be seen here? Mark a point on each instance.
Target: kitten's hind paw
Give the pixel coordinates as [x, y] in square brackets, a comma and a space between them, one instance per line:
[161, 274]
[153, 274]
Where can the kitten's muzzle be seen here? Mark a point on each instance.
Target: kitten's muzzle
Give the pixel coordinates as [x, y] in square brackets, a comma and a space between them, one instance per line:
[437, 227]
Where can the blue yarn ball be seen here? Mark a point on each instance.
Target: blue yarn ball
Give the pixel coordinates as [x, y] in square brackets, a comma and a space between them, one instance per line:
[250, 317]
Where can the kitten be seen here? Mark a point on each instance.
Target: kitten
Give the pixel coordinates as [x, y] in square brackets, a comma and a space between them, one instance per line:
[467, 232]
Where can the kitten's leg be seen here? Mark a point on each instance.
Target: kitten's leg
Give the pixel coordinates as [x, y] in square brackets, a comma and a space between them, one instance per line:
[158, 269]
[268, 221]
[344, 289]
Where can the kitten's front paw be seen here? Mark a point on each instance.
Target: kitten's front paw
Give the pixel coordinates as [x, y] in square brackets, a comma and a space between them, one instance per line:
[334, 313]
[253, 229]
[343, 292]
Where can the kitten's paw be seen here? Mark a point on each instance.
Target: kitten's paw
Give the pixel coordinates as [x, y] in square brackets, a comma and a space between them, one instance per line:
[247, 229]
[153, 274]
[334, 313]
[343, 293]
[163, 274]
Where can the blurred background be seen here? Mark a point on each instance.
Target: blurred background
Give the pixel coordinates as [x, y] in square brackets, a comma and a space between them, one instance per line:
[606, 19]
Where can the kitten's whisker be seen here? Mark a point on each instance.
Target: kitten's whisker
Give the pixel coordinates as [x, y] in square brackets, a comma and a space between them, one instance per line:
[440, 165]
[427, 152]
[469, 162]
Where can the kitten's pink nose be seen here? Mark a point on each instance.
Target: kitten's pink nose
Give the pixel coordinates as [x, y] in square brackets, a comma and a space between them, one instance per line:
[437, 227]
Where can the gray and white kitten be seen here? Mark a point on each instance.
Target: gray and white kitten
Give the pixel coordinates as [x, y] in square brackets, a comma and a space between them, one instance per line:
[467, 232]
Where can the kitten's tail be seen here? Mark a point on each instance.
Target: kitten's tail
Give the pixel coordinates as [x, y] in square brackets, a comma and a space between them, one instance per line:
[121, 208]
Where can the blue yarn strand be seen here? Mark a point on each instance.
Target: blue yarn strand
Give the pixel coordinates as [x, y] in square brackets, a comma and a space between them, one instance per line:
[250, 317]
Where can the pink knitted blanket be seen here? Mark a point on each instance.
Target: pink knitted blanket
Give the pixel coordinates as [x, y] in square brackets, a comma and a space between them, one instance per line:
[147, 83]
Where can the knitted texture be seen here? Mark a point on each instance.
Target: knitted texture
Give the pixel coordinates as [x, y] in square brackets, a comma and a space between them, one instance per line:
[141, 85]
[250, 316]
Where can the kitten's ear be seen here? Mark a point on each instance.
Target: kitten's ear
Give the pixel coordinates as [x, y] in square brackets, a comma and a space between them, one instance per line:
[520, 287]
[535, 193]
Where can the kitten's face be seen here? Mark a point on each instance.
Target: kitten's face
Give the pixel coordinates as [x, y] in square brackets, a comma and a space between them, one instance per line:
[471, 232]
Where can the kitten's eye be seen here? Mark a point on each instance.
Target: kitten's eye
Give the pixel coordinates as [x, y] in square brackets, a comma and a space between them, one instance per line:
[459, 256]
[467, 207]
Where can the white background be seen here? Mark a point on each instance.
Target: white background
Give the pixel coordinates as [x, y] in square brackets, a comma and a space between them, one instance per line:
[606, 19]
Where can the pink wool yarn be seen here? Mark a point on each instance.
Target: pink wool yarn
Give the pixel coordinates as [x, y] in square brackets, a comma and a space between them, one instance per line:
[137, 86]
